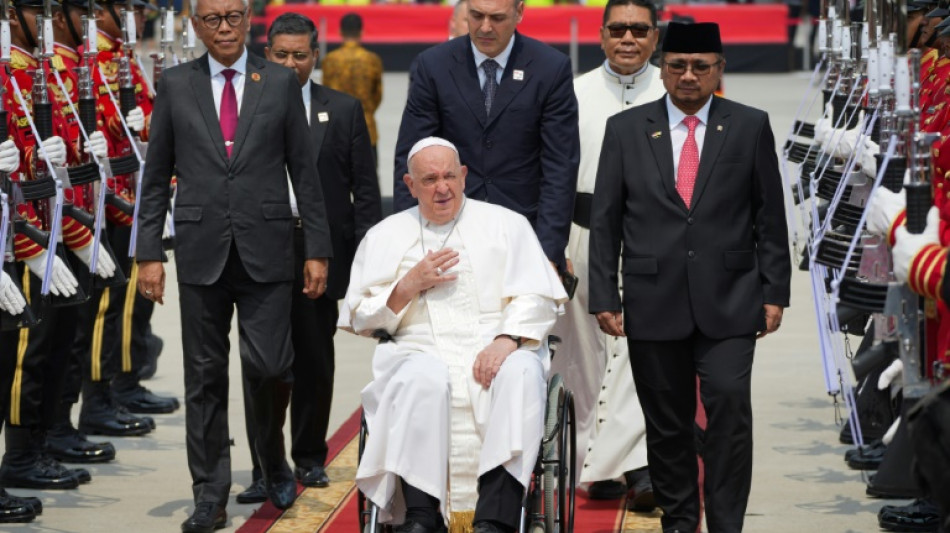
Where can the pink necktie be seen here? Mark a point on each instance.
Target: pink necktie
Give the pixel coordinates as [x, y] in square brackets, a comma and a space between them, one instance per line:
[689, 162]
[229, 110]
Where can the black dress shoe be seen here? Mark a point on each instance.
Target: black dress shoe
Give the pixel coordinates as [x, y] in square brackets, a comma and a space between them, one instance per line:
[640, 498]
[314, 476]
[489, 526]
[107, 418]
[208, 516]
[867, 457]
[411, 526]
[143, 401]
[878, 444]
[256, 493]
[282, 491]
[68, 445]
[40, 474]
[14, 510]
[606, 490]
[921, 515]
[35, 504]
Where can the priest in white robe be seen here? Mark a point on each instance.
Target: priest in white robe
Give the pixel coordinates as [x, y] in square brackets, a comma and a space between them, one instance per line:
[455, 409]
[611, 431]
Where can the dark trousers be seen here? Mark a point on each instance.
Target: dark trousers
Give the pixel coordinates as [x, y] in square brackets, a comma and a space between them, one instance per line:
[500, 497]
[313, 324]
[34, 360]
[665, 375]
[266, 358]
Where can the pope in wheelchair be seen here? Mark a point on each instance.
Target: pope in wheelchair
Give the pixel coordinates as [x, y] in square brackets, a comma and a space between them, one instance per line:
[464, 294]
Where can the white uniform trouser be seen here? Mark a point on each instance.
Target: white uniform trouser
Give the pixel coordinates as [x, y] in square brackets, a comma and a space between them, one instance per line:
[408, 409]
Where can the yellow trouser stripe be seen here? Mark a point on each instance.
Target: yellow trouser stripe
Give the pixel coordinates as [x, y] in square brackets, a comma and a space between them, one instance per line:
[127, 319]
[17, 386]
[98, 326]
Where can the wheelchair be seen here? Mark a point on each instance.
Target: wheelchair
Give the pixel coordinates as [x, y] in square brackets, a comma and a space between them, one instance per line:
[548, 504]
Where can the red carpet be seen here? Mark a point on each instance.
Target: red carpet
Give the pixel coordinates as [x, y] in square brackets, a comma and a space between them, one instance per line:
[334, 509]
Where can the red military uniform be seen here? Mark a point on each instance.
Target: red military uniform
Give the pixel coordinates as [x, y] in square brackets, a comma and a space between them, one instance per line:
[23, 65]
[109, 51]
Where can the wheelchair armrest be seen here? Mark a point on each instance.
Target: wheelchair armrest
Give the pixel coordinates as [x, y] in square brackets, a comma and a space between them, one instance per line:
[382, 335]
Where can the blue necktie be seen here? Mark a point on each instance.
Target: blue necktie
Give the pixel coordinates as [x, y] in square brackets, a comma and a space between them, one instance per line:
[491, 84]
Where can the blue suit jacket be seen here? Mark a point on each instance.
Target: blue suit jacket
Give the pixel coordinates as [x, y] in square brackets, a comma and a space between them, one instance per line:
[524, 156]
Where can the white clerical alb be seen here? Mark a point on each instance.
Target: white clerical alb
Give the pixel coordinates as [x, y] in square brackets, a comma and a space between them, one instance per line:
[594, 365]
[438, 428]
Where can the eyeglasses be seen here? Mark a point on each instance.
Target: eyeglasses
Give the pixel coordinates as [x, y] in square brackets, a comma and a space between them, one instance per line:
[639, 30]
[299, 57]
[699, 68]
[212, 22]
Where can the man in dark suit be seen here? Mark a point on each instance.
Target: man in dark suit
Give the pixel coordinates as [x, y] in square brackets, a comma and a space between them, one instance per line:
[351, 195]
[234, 241]
[507, 102]
[690, 186]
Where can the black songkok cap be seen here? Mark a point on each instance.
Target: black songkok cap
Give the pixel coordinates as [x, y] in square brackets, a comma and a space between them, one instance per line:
[698, 38]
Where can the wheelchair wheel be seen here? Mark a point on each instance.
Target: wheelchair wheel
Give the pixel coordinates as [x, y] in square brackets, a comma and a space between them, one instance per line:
[368, 512]
[558, 457]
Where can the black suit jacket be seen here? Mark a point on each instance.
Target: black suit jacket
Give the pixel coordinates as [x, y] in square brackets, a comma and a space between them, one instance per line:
[243, 199]
[710, 267]
[348, 175]
[524, 156]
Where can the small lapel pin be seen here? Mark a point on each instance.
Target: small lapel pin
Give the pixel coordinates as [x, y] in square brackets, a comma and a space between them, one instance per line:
[517, 75]
[323, 116]
[719, 127]
[255, 76]
[656, 134]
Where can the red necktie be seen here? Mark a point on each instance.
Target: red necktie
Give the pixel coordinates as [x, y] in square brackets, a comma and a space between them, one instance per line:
[689, 162]
[229, 110]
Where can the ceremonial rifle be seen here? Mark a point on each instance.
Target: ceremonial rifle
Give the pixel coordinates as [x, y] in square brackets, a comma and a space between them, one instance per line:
[7, 204]
[188, 43]
[47, 186]
[162, 59]
[86, 175]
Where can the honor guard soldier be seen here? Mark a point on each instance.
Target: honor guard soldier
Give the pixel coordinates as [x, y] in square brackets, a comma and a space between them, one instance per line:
[105, 341]
[41, 353]
[64, 441]
[137, 311]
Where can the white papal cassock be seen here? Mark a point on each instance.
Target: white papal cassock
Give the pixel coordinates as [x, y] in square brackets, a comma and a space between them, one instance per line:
[429, 421]
[595, 366]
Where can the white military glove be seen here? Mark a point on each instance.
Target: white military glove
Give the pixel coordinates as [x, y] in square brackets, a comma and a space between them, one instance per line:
[891, 373]
[9, 156]
[55, 149]
[883, 207]
[868, 161]
[135, 119]
[105, 266]
[908, 245]
[11, 300]
[846, 142]
[62, 283]
[97, 145]
[823, 126]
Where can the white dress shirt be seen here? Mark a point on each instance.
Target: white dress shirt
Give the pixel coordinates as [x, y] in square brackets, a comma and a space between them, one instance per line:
[218, 81]
[305, 91]
[501, 59]
[679, 131]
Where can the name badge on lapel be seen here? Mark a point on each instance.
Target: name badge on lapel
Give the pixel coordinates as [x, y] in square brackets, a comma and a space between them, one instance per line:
[517, 75]
[323, 116]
